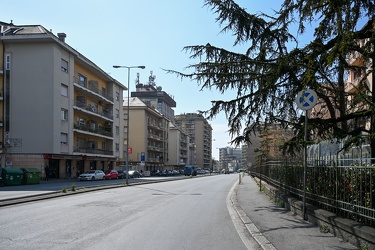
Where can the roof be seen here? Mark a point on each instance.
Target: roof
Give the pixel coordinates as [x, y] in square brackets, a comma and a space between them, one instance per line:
[11, 32]
[136, 102]
[25, 30]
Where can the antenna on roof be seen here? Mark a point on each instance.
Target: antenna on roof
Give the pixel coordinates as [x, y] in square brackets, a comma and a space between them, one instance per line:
[151, 79]
[11, 22]
[137, 80]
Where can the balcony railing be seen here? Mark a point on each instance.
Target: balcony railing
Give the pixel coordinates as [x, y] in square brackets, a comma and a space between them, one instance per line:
[93, 89]
[92, 151]
[97, 130]
[93, 109]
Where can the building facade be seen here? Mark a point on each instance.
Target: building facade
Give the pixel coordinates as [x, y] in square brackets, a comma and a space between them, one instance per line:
[148, 136]
[60, 109]
[230, 158]
[154, 96]
[178, 148]
[199, 132]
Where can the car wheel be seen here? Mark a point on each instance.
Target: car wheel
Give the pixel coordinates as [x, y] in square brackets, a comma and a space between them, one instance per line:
[93, 178]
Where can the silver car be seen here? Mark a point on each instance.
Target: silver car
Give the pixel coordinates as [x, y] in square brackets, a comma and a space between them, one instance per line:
[92, 175]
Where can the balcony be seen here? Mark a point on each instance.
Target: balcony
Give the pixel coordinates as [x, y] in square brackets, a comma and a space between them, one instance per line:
[92, 151]
[92, 109]
[154, 125]
[93, 129]
[155, 137]
[154, 148]
[93, 89]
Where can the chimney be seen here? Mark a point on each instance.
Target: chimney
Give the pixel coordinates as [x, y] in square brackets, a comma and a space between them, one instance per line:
[61, 37]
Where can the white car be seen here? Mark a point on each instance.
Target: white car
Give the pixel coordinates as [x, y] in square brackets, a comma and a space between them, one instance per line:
[92, 175]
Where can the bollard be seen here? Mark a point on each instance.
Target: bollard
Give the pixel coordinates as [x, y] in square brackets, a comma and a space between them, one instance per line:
[239, 178]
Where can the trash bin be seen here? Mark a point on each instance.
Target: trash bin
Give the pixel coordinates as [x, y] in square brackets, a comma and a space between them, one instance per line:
[12, 176]
[31, 176]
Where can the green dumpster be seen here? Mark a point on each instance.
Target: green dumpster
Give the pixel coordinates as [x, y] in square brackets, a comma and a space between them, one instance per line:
[31, 176]
[12, 176]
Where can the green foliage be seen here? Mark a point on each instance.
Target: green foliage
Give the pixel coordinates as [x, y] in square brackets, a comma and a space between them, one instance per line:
[64, 190]
[73, 188]
[364, 247]
[274, 67]
[324, 229]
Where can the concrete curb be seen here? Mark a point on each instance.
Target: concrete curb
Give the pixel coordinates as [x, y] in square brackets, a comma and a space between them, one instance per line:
[263, 242]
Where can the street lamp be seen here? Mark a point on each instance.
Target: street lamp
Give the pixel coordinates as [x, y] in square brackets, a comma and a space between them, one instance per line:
[127, 121]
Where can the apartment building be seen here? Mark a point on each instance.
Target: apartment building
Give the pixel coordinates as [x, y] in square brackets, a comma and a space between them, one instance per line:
[178, 148]
[200, 137]
[230, 158]
[360, 81]
[154, 96]
[3, 68]
[360, 74]
[148, 136]
[60, 108]
[180, 152]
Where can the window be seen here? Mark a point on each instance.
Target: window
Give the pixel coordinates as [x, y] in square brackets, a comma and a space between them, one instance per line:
[64, 114]
[125, 116]
[125, 129]
[64, 138]
[81, 121]
[117, 130]
[64, 90]
[64, 66]
[117, 96]
[82, 80]
[117, 113]
[7, 62]
[117, 147]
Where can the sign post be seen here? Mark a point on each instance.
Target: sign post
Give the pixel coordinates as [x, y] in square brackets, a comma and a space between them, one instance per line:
[306, 100]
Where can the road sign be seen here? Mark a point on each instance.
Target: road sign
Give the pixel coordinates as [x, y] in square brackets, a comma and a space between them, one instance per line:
[306, 99]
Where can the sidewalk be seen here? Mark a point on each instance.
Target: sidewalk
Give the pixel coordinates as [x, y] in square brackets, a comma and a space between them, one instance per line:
[277, 227]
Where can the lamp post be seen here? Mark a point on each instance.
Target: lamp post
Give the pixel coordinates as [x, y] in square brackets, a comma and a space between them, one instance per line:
[127, 121]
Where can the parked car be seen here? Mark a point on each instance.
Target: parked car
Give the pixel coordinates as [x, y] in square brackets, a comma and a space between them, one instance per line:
[122, 174]
[2, 182]
[201, 171]
[134, 174]
[92, 175]
[155, 172]
[175, 172]
[190, 170]
[112, 174]
[164, 173]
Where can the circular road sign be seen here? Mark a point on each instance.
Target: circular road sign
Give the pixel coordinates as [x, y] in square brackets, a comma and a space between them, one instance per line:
[306, 99]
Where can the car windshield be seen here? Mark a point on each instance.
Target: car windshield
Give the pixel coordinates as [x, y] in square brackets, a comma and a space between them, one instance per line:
[90, 172]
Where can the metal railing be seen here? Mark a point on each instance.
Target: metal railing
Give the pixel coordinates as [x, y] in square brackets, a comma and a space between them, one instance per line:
[92, 151]
[93, 109]
[93, 129]
[93, 89]
[346, 190]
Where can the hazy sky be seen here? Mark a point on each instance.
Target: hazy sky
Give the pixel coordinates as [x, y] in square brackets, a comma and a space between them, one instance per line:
[140, 32]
